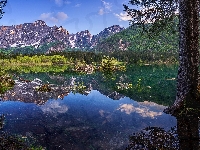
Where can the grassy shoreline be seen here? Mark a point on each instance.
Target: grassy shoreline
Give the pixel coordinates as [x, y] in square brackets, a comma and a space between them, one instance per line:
[109, 66]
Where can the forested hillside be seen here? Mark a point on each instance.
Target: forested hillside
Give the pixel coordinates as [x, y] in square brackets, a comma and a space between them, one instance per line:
[134, 40]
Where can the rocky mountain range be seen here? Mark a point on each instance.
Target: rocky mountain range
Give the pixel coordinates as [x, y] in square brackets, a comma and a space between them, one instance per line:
[38, 33]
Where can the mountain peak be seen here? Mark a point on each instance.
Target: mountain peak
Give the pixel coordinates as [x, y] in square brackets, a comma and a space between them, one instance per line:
[38, 33]
[40, 22]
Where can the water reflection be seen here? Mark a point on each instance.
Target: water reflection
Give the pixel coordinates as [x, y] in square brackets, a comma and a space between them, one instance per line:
[183, 136]
[54, 108]
[143, 111]
[79, 111]
[92, 121]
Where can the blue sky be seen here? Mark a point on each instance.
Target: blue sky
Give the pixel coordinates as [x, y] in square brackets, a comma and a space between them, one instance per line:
[73, 15]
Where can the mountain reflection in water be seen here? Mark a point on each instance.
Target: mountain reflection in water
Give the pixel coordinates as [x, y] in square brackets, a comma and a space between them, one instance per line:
[82, 122]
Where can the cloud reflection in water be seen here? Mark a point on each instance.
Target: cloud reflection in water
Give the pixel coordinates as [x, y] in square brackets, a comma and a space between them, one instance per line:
[54, 108]
[143, 111]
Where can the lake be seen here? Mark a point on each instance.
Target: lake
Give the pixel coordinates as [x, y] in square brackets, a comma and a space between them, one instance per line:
[96, 111]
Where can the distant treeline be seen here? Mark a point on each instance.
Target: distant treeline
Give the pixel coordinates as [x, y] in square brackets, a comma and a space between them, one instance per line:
[131, 57]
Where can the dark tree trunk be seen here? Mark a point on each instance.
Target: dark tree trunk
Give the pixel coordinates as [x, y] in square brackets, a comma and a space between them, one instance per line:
[188, 133]
[187, 79]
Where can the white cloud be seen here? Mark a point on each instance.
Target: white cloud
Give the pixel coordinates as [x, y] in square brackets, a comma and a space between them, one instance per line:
[54, 108]
[142, 111]
[77, 5]
[61, 16]
[101, 11]
[152, 105]
[48, 17]
[127, 108]
[106, 5]
[53, 18]
[123, 16]
[59, 2]
[106, 8]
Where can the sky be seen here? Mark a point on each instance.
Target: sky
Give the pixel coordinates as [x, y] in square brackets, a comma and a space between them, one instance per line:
[73, 15]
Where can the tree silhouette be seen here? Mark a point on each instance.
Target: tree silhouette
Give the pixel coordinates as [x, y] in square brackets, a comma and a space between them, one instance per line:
[2, 4]
[153, 15]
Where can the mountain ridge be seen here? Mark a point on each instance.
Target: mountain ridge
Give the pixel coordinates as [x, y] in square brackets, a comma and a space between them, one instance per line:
[38, 33]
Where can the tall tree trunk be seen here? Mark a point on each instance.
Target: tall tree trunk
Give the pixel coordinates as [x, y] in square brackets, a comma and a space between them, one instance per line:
[187, 79]
[188, 133]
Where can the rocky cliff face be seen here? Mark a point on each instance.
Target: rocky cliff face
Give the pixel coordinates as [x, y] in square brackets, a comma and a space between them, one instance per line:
[105, 33]
[38, 33]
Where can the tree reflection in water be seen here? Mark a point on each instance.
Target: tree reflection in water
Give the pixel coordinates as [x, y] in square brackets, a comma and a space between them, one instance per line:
[184, 137]
[154, 138]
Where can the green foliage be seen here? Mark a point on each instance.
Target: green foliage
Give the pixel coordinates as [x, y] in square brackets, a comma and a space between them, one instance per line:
[123, 85]
[36, 148]
[137, 42]
[35, 69]
[80, 66]
[41, 63]
[6, 83]
[111, 64]
[57, 59]
[2, 4]
[88, 57]
[78, 88]
[44, 88]
[140, 48]
[35, 60]
[154, 16]
[107, 64]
